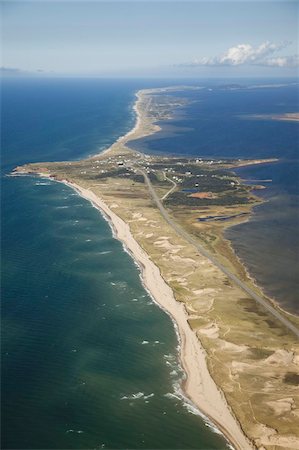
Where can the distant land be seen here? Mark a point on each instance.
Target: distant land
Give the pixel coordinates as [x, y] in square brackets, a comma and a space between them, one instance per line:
[289, 117]
[238, 348]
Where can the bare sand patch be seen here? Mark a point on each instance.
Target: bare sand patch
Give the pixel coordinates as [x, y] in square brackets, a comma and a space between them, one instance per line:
[282, 406]
[211, 331]
[225, 345]
[280, 357]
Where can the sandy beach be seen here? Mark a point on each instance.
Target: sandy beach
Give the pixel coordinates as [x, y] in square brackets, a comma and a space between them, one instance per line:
[144, 126]
[199, 385]
[211, 361]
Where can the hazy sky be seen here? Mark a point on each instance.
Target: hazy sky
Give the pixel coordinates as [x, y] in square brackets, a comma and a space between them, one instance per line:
[212, 38]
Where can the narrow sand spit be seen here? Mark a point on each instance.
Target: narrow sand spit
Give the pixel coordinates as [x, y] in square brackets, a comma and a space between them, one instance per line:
[199, 385]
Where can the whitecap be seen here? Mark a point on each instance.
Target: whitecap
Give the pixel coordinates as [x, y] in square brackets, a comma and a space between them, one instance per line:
[149, 396]
[119, 284]
[193, 410]
[137, 396]
[171, 395]
[190, 407]
[133, 396]
[144, 342]
[75, 431]
[215, 430]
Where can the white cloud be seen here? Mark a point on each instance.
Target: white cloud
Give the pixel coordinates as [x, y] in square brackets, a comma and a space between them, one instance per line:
[263, 55]
[283, 61]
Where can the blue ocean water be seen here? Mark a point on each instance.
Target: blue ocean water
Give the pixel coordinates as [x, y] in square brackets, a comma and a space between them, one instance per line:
[88, 360]
[220, 122]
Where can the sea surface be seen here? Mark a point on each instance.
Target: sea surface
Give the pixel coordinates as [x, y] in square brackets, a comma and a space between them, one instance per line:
[220, 122]
[88, 360]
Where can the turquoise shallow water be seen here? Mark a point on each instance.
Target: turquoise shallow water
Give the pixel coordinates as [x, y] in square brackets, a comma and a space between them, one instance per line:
[88, 360]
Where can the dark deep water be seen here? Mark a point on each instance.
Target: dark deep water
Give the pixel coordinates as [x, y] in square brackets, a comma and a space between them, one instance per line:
[83, 347]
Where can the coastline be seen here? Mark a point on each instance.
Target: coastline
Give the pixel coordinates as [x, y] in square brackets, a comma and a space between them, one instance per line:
[198, 386]
[272, 300]
[253, 280]
[143, 127]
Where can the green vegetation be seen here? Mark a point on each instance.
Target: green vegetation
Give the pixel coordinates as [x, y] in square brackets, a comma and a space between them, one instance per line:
[227, 199]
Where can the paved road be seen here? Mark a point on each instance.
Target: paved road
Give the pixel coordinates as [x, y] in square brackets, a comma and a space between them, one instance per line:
[266, 305]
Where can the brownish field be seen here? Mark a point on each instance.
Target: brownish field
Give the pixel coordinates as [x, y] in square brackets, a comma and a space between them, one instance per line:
[202, 195]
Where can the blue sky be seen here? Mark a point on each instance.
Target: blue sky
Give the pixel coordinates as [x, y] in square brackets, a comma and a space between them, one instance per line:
[151, 38]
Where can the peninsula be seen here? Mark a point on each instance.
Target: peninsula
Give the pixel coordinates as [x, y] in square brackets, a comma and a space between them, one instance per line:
[239, 350]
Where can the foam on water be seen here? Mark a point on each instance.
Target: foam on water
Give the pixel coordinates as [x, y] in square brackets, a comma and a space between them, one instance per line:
[74, 431]
[179, 395]
[137, 396]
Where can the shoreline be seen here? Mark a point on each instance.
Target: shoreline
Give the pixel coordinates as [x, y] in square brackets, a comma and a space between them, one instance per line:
[269, 298]
[198, 386]
[139, 130]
